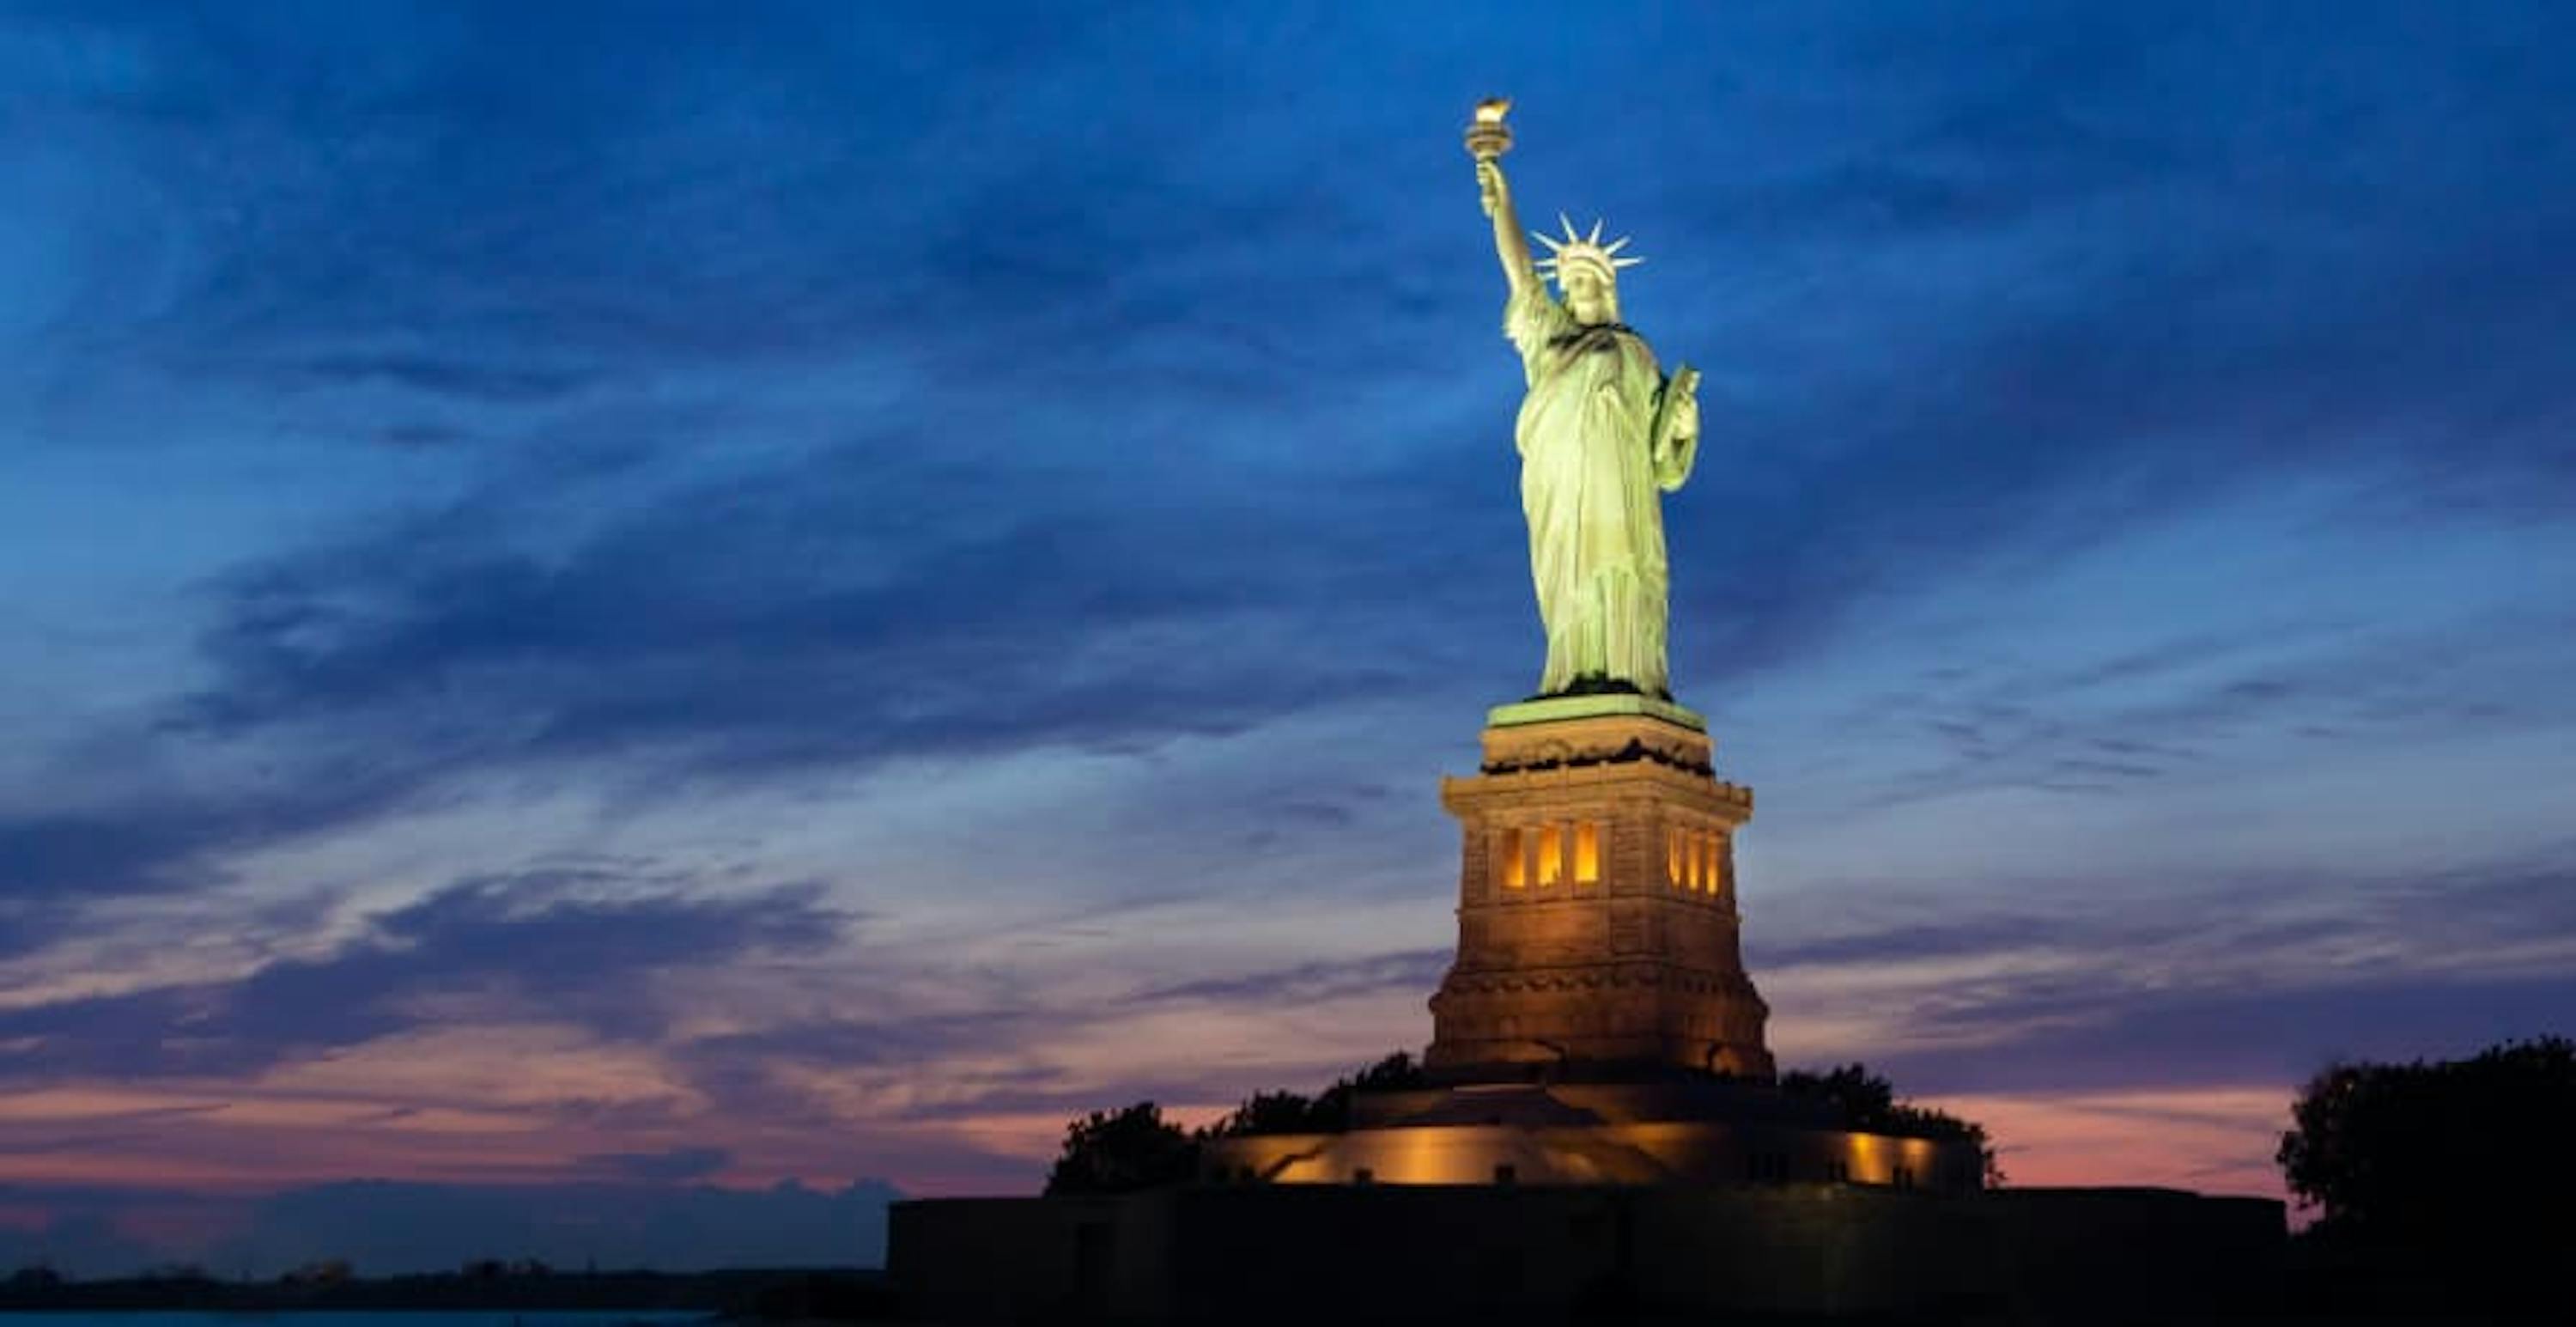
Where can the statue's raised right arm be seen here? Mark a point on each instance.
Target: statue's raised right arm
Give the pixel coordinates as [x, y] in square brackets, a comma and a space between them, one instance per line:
[1511, 244]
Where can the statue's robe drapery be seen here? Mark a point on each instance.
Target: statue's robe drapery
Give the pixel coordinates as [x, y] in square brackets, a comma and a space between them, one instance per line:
[1589, 483]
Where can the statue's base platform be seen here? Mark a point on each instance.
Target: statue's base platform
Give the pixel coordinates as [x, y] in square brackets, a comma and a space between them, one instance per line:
[1709, 1134]
[1426, 1254]
[1554, 709]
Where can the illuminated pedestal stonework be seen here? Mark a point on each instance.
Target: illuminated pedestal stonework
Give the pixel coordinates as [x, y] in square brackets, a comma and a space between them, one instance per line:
[1597, 1027]
[1596, 908]
[1706, 1134]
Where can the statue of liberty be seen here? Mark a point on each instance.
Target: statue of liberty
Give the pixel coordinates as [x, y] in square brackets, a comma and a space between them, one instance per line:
[1601, 433]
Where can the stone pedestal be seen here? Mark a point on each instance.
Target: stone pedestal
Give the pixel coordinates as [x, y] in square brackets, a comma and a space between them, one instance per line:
[1596, 908]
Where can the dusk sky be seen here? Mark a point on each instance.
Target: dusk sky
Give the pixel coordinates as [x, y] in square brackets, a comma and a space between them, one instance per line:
[610, 607]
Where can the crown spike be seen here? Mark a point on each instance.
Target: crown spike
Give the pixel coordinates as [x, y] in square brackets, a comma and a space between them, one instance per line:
[1578, 248]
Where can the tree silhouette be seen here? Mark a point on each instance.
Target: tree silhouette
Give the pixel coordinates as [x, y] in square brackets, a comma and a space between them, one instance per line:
[1866, 1100]
[1267, 1113]
[1328, 1111]
[2452, 1174]
[1332, 1109]
[1122, 1151]
[1867, 1103]
[1136, 1148]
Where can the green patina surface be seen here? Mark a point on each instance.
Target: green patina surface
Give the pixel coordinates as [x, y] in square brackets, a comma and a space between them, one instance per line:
[1602, 434]
[1552, 709]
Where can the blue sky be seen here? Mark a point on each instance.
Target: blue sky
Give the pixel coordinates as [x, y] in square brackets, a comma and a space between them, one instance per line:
[686, 597]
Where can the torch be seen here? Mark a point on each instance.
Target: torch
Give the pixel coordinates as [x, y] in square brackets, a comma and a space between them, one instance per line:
[1488, 138]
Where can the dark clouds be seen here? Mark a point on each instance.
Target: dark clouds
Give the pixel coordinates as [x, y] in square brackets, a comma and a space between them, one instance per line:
[558, 945]
[1060, 258]
[2215, 982]
[172, 842]
[1089, 546]
[677, 1163]
[1418, 970]
[2099, 1034]
[830, 616]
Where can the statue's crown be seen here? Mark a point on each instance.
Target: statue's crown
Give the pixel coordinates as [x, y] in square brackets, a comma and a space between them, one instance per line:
[1580, 250]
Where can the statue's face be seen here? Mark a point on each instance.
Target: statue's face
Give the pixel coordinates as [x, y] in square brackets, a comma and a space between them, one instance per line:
[1587, 295]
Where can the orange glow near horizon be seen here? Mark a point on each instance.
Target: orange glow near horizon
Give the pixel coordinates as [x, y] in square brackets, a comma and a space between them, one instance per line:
[2208, 1139]
[206, 1139]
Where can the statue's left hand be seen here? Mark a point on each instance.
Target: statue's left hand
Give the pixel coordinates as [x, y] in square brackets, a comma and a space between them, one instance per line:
[1675, 443]
[1686, 417]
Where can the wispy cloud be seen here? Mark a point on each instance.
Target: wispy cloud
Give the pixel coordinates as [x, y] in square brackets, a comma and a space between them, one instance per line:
[560, 945]
[1410, 971]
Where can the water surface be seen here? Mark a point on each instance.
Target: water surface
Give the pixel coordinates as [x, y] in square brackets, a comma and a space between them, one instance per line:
[358, 1318]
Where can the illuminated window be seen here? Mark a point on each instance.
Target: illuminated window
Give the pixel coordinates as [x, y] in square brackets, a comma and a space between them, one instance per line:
[1551, 854]
[1696, 865]
[1515, 860]
[1673, 855]
[1587, 853]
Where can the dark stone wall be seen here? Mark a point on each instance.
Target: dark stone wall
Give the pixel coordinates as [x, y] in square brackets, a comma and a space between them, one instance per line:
[1421, 1254]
